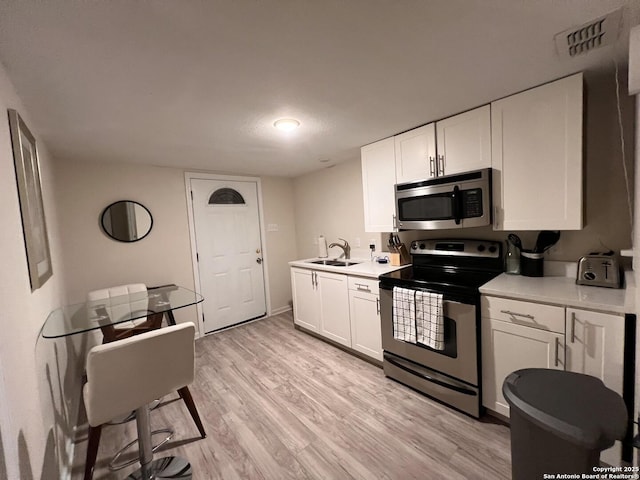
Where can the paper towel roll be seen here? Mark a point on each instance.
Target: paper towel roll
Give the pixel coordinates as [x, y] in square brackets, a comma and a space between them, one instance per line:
[322, 247]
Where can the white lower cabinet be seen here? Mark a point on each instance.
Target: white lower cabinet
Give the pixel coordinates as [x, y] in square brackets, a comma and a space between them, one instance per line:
[518, 334]
[334, 307]
[321, 303]
[507, 347]
[341, 308]
[595, 346]
[364, 305]
[305, 299]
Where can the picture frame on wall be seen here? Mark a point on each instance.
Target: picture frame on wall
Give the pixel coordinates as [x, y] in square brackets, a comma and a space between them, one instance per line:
[36, 240]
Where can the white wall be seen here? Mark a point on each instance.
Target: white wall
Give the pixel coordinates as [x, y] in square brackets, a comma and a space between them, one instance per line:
[34, 373]
[279, 217]
[329, 202]
[94, 260]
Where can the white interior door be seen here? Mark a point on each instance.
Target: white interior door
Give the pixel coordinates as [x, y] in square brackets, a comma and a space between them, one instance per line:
[229, 250]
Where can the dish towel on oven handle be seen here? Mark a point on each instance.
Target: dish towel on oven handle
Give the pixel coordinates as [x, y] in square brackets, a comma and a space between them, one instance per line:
[404, 314]
[430, 319]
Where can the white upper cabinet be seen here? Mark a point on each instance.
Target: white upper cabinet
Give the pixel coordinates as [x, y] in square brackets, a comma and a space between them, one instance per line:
[415, 154]
[456, 144]
[464, 142]
[537, 157]
[378, 185]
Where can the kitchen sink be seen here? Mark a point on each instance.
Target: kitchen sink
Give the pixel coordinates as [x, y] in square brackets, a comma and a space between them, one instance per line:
[334, 263]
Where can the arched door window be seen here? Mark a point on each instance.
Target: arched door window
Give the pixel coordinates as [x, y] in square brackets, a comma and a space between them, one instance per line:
[226, 196]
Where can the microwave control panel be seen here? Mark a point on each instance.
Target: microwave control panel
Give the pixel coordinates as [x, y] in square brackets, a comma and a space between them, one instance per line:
[472, 203]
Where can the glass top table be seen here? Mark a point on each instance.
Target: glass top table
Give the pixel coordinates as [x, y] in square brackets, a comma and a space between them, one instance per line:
[105, 313]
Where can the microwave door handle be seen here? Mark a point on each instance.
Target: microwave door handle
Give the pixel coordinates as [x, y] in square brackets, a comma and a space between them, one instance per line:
[456, 198]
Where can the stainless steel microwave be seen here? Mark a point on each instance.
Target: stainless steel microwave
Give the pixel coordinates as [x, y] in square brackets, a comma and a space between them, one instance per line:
[452, 201]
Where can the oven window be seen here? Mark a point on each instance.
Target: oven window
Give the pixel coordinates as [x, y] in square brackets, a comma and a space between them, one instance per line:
[428, 207]
[450, 343]
[450, 339]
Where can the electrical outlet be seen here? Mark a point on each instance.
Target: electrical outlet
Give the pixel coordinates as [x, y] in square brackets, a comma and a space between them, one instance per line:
[356, 242]
[372, 241]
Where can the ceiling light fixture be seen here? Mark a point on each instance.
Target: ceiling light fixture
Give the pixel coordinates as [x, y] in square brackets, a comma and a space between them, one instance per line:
[286, 124]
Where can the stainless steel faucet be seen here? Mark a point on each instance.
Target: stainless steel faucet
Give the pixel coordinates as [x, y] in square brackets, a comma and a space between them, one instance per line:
[346, 248]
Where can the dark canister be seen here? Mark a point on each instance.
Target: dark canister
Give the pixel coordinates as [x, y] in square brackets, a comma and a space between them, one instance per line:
[531, 264]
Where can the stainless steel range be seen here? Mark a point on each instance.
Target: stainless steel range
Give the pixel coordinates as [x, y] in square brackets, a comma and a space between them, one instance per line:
[443, 282]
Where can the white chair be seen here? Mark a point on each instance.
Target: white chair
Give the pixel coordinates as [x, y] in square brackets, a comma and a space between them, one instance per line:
[123, 375]
[123, 309]
[118, 309]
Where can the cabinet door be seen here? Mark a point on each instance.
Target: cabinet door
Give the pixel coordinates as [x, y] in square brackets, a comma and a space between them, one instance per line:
[415, 152]
[334, 307]
[378, 186]
[366, 333]
[507, 347]
[595, 346]
[537, 157]
[305, 299]
[464, 141]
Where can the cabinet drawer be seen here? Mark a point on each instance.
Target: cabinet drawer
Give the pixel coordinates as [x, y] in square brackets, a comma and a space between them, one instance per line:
[363, 284]
[535, 315]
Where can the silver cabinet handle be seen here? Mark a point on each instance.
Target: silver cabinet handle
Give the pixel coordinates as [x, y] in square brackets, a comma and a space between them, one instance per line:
[378, 306]
[432, 170]
[524, 315]
[440, 170]
[314, 279]
[573, 326]
[395, 222]
[557, 348]
[362, 287]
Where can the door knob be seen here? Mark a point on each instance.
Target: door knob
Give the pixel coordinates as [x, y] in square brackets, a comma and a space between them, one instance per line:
[258, 260]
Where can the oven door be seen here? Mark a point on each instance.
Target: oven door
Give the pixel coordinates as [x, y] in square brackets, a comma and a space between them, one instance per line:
[459, 359]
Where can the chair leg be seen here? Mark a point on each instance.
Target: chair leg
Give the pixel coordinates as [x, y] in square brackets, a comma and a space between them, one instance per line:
[92, 451]
[185, 394]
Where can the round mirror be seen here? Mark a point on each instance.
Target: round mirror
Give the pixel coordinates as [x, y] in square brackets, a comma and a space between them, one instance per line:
[126, 221]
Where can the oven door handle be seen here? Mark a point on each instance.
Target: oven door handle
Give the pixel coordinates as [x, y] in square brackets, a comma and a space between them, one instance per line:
[456, 198]
[456, 387]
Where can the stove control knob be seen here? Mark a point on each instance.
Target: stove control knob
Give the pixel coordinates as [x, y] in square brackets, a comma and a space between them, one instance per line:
[492, 249]
[422, 246]
[481, 248]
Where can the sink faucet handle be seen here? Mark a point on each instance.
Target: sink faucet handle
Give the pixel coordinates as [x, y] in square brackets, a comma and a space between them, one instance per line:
[345, 242]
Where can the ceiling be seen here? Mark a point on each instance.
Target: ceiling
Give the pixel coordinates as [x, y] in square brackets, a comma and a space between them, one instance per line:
[198, 84]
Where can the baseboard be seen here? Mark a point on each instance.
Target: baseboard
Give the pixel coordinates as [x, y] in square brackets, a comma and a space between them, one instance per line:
[278, 311]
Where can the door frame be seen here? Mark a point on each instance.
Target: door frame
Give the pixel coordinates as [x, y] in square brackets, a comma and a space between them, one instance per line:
[188, 176]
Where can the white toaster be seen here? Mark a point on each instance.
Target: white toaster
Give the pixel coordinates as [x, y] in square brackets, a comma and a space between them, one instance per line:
[599, 270]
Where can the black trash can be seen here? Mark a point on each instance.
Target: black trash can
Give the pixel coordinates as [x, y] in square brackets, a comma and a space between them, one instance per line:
[560, 422]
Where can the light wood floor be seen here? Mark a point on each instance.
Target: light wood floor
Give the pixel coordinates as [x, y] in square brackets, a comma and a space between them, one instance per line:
[280, 404]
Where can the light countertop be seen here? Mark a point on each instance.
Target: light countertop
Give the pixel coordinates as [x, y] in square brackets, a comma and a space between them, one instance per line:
[365, 268]
[563, 291]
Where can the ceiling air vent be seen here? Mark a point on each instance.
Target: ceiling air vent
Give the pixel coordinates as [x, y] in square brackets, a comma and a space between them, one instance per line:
[585, 38]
